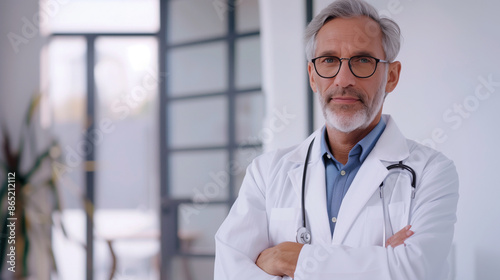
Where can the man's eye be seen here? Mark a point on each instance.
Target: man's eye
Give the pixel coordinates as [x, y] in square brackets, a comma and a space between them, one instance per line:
[329, 60]
[364, 60]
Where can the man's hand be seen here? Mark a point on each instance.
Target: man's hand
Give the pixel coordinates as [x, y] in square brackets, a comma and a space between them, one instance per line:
[281, 259]
[399, 237]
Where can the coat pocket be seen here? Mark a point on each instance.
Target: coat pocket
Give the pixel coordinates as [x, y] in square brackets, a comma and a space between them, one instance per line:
[283, 224]
[371, 229]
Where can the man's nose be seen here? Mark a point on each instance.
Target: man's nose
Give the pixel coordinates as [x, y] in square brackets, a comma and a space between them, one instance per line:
[344, 77]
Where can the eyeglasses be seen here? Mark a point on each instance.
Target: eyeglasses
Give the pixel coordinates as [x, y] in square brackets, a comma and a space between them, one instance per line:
[361, 66]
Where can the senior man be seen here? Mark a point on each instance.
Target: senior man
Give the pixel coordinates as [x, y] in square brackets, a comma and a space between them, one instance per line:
[324, 208]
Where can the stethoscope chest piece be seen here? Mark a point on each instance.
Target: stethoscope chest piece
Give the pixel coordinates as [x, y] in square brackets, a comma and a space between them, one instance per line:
[303, 236]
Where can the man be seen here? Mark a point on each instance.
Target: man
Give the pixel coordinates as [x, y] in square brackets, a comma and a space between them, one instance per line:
[351, 55]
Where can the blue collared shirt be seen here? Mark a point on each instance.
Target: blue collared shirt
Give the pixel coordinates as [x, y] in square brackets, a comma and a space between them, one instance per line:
[338, 176]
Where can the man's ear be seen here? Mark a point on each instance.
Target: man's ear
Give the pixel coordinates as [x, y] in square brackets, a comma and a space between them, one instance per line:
[312, 81]
[393, 76]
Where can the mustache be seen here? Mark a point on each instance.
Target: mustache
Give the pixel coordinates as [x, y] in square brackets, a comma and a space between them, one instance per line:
[350, 92]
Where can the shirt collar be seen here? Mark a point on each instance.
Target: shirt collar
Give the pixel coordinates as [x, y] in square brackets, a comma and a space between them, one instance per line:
[365, 145]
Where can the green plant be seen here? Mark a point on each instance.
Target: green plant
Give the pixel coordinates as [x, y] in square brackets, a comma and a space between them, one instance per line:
[24, 193]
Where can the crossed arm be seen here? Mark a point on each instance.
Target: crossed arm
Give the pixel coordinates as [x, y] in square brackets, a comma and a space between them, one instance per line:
[281, 260]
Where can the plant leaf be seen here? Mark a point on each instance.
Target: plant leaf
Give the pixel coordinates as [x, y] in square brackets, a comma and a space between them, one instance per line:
[25, 253]
[11, 158]
[4, 166]
[55, 192]
[37, 163]
[3, 190]
[53, 258]
[35, 101]
[3, 240]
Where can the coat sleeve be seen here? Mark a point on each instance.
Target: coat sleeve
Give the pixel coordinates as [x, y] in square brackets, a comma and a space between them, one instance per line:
[244, 233]
[425, 254]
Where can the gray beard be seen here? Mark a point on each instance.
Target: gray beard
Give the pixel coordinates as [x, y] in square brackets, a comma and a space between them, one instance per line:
[361, 119]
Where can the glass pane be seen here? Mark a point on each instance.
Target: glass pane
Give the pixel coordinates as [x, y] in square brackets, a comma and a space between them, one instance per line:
[248, 65]
[247, 16]
[198, 224]
[101, 15]
[243, 158]
[249, 117]
[191, 20]
[185, 268]
[65, 85]
[198, 122]
[126, 155]
[127, 83]
[211, 177]
[198, 69]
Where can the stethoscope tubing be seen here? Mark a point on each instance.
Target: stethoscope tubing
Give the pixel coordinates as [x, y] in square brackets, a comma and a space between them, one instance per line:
[304, 183]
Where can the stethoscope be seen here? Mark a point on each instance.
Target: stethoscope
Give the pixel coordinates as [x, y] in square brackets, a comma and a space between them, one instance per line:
[304, 234]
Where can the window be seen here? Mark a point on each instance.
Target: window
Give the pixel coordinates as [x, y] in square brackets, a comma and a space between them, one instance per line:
[146, 93]
[102, 61]
[212, 110]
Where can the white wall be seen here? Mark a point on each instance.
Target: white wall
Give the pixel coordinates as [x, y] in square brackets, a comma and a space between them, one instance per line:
[449, 51]
[19, 81]
[283, 80]
[20, 66]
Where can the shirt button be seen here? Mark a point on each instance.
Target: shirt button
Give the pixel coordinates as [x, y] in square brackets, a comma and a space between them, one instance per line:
[342, 172]
[334, 219]
[328, 156]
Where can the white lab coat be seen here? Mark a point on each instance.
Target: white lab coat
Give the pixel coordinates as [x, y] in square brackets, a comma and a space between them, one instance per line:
[268, 212]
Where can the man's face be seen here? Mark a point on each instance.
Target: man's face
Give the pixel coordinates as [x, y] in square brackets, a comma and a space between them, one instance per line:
[350, 103]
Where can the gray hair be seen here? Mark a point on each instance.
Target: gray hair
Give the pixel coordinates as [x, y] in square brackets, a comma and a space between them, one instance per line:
[391, 34]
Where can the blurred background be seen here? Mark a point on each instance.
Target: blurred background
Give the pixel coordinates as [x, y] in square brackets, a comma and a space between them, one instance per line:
[131, 123]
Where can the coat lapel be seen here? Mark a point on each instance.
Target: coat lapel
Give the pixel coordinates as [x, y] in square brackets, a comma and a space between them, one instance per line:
[391, 147]
[316, 210]
[366, 182]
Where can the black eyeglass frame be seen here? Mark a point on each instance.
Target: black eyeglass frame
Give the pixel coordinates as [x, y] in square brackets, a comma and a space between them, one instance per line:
[377, 60]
